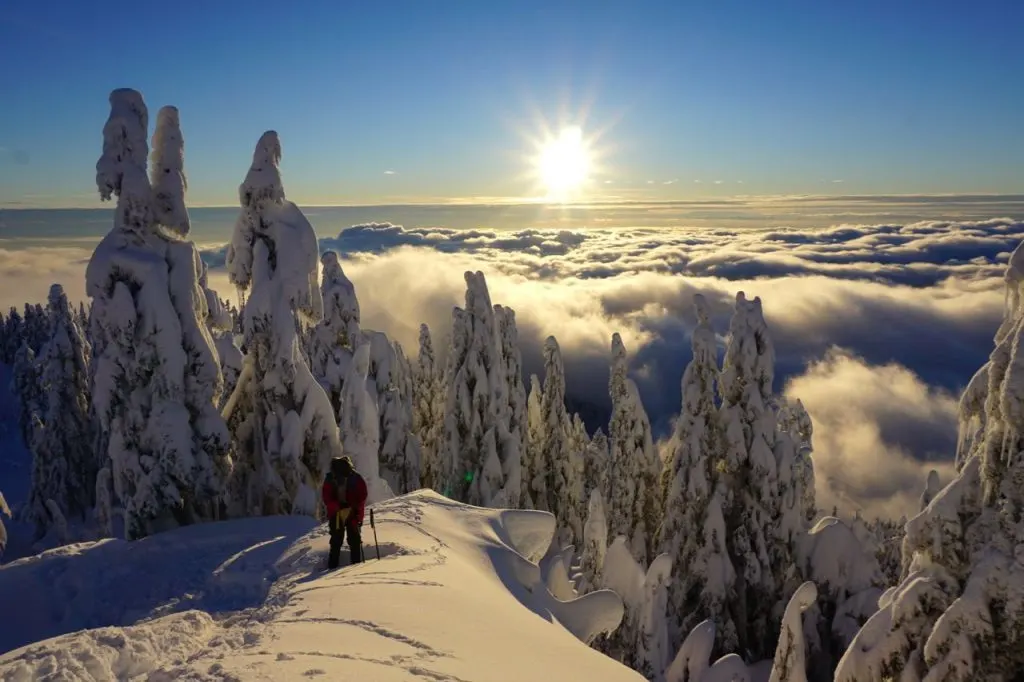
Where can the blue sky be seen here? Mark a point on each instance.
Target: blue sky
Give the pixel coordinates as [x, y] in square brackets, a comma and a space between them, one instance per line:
[769, 98]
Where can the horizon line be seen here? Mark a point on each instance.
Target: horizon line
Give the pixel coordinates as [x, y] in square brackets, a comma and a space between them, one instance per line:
[480, 202]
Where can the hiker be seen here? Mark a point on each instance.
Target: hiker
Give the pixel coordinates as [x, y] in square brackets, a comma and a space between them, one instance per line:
[344, 495]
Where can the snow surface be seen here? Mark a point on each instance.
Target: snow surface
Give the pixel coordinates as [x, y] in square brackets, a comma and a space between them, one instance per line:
[456, 595]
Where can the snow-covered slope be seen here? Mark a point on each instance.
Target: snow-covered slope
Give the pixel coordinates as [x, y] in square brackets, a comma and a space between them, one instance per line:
[457, 595]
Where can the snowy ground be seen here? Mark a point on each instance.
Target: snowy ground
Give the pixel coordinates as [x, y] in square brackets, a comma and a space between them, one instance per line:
[457, 595]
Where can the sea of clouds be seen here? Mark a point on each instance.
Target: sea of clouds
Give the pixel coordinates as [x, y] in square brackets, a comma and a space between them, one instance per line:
[876, 328]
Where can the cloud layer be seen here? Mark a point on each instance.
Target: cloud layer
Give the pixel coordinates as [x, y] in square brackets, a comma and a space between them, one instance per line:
[877, 328]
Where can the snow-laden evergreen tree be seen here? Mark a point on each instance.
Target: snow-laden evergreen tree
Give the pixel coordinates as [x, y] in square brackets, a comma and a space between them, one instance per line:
[931, 488]
[360, 423]
[26, 384]
[693, 531]
[958, 614]
[635, 507]
[167, 174]
[64, 465]
[597, 465]
[428, 411]
[274, 256]
[399, 455]
[337, 334]
[564, 467]
[512, 418]
[653, 649]
[595, 545]
[535, 487]
[13, 335]
[470, 446]
[750, 477]
[220, 325]
[790, 663]
[156, 379]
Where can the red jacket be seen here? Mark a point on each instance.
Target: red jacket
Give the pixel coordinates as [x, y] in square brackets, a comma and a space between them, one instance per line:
[355, 497]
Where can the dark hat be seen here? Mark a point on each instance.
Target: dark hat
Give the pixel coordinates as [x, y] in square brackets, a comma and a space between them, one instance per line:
[343, 465]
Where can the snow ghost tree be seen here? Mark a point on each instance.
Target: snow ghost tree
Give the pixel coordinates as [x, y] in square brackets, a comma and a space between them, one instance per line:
[337, 334]
[168, 174]
[156, 379]
[470, 445]
[535, 486]
[511, 407]
[595, 545]
[390, 371]
[360, 424]
[64, 464]
[958, 612]
[693, 531]
[596, 465]
[635, 498]
[27, 385]
[274, 256]
[428, 410]
[564, 466]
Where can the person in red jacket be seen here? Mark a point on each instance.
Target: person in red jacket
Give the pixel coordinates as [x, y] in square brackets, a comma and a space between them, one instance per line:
[344, 494]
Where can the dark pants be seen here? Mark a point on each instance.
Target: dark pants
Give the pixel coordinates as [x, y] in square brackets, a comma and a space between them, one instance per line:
[355, 543]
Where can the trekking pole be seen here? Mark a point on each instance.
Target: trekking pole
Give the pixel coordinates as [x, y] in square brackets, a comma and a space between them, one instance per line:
[373, 525]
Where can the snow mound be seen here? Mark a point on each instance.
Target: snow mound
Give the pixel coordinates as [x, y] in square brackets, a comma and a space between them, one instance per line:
[456, 595]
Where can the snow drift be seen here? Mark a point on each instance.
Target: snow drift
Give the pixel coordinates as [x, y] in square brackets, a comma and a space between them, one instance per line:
[457, 595]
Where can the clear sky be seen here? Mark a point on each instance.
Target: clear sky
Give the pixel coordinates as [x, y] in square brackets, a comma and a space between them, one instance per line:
[430, 100]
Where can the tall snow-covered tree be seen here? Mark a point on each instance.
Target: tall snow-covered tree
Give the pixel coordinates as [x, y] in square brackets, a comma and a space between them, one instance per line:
[957, 613]
[167, 174]
[26, 384]
[750, 475]
[64, 464]
[535, 485]
[470, 445]
[338, 333]
[512, 419]
[13, 335]
[399, 455]
[597, 465]
[595, 545]
[563, 464]
[274, 256]
[156, 378]
[693, 530]
[428, 410]
[635, 501]
[220, 326]
[360, 423]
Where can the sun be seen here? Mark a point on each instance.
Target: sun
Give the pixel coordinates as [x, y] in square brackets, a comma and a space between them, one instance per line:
[563, 164]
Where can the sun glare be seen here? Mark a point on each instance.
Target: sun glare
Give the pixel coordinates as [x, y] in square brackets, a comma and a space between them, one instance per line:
[563, 164]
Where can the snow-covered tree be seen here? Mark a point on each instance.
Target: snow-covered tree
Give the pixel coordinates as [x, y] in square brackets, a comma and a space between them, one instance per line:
[220, 325]
[64, 464]
[274, 256]
[535, 484]
[399, 454]
[512, 418]
[595, 545]
[957, 614]
[156, 378]
[167, 174]
[337, 334]
[13, 335]
[470, 445]
[360, 423]
[563, 465]
[749, 474]
[932, 487]
[693, 531]
[635, 507]
[790, 664]
[597, 465]
[26, 384]
[428, 410]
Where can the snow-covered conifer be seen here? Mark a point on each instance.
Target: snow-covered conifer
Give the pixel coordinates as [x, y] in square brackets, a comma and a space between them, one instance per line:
[693, 531]
[931, 488]
[338, 333]
[13, 333]
[167, 173]
[956, 614]
[635, 507]
[564, 466]
[26, 384]
[470, 447]
[399, 455]
[512, 418]
[64, 465]
[535, 486]
[653, 649]
[360, 424]
[428, 411]
[790, 664]
[156, 379]
[597, 465]
[274, 256]
[595, 544]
